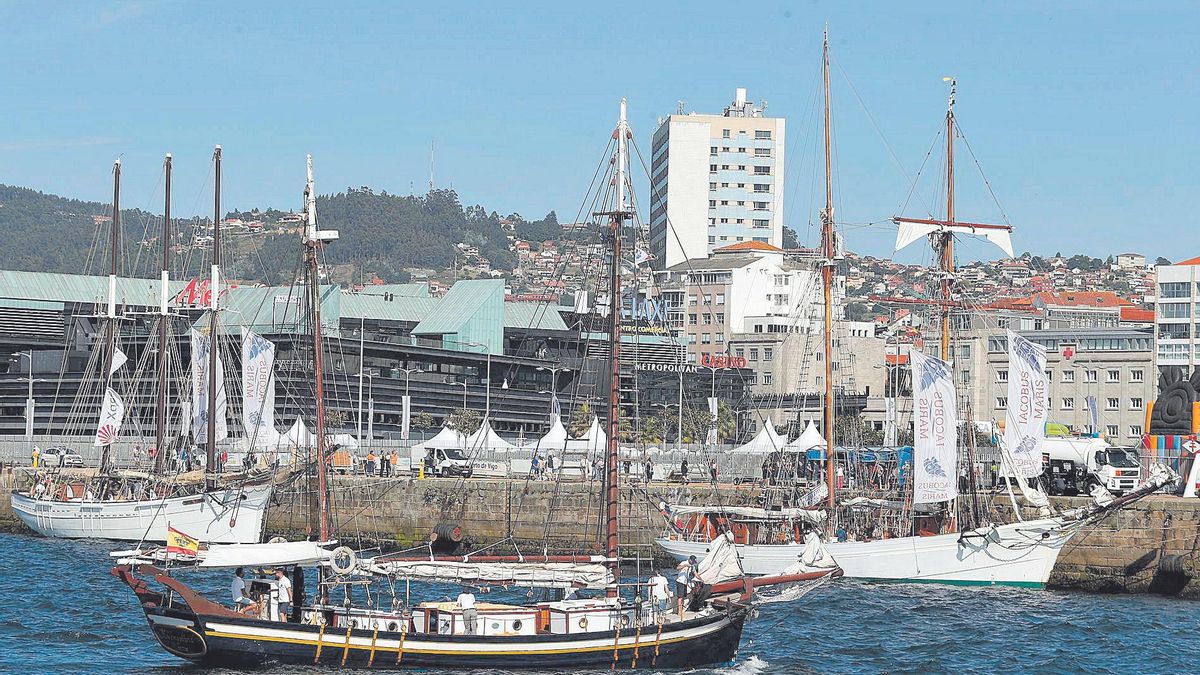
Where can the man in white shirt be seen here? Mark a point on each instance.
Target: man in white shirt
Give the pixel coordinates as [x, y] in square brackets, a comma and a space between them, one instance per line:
[683, 582]
[237, 589]
[466, 602]
[285, 595]
[660, 592]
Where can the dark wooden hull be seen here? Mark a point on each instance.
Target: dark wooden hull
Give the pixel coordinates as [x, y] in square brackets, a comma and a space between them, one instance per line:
[222, 641]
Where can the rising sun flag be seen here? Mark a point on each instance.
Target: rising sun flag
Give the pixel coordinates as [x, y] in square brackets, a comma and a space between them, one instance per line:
[180, 543]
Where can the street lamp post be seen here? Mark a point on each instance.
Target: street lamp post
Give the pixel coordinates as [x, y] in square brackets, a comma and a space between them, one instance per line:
[29, 402]
[554, 370]
[713, 392]
[370, 406]
[406, 403]
[464, 386]
[487, 392]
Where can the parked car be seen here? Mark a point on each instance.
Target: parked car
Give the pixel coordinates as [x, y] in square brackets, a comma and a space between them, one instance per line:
[61, 456]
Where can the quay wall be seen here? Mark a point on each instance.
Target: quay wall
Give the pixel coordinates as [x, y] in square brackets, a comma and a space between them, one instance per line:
[1131, 551]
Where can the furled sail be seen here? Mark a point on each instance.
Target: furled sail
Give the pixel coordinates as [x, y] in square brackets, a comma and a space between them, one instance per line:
[527, 574]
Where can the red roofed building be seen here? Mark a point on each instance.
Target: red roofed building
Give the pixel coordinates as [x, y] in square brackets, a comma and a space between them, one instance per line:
[1136, 316]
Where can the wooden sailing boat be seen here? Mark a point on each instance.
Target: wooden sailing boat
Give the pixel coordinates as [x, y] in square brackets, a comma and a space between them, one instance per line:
[109, 507]
[1016, 554]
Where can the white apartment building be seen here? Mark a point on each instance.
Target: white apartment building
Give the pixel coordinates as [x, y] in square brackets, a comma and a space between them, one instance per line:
[1176, 314]
[716, 180]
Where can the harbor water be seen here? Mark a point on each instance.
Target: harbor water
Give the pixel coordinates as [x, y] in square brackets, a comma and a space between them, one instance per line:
[62, 612]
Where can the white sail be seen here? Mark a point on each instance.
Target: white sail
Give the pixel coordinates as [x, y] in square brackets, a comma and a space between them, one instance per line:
[935, 453]
[200, 403]
[118, 360]
[528, 574]
[112, 414]
[1028, 401]
[258, 390]
[908, 232]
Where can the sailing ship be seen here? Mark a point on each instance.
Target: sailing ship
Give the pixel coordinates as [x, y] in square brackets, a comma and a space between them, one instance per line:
[386, 632]
[940, 544]
[139, 506]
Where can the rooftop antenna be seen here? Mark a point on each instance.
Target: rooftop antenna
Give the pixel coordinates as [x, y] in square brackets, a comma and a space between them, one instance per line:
[679, 107]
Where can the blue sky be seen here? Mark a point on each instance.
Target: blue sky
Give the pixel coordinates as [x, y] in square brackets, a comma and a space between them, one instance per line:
[1083, 115]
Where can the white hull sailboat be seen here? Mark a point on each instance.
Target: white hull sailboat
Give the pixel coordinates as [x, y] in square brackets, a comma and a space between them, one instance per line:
[228, 516]
[1018, 554]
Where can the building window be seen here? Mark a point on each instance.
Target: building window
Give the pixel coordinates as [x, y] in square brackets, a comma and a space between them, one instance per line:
[1001, 401]
[712, 150]
[692, 320]
[762, 135]
[1068, 376]
[1175, 289]
[705, 338]
[739, 352]
[768, 378]
[1135, 430]
[753, 354]
[760, 206]
[964, 376]
[712, 168]
[762, 187]
[762, 171]
[692, 300]
[1112, 404]
[768, 354]
[1136, 375]
[707, 299]
[1111, 430]
[761, 224]
[741, 167]
[724, 167]
[741, 185]
[742, 150]
[724, 202]
[724, 184]
[724, 133]
[712, 203]
[741, 203]
[712, 239]
[724, 221]
[762, 152]
[1068, 403]
[720, 338]
[712, 186]
[691, 338]
[707, 319]
[720, 298]
[1002, 376]
[720, 317]
[1049, 376]
[1089, 376]
[1135, 403]
[1114, 376]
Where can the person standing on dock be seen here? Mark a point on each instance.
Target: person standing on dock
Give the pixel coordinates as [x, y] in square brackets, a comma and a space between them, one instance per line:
[385, 465]
[370, 462]
[35, 456]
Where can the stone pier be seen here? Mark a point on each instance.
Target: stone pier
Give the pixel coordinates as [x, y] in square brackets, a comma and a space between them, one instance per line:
[1131, 551]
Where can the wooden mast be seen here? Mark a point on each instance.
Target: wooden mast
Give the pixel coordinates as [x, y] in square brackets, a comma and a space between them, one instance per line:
[110, 328]
[946, 243]
[312, 242]
[616, 230]
[828, 251]
[214, 335]
[160, 411]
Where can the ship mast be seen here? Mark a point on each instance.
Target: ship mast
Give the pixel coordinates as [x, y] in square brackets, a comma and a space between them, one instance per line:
[313, 238]
[945, 241]
[160, 412]
[110, 329]
[828, 251]
[214, 290]
[616, 229]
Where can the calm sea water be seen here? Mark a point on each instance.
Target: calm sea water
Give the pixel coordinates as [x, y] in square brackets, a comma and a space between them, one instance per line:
[62, 612]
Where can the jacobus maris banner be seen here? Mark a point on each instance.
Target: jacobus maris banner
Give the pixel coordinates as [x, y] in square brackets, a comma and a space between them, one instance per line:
[1028, 400]
[935, 452]
[258, 389]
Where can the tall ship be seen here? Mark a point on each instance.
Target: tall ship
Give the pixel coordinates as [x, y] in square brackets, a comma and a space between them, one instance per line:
[931, 527]
[144, 505]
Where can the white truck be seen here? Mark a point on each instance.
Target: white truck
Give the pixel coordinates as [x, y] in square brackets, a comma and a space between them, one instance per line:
[1071, 466]
[443, 462]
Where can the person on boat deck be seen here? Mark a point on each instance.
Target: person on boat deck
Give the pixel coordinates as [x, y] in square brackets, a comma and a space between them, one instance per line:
[285, 595]
[660, 592]
[39, 490]
[466, 602]
[237, 589]
[683, 582]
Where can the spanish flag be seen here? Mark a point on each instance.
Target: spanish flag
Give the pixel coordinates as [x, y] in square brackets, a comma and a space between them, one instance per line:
[180, 543]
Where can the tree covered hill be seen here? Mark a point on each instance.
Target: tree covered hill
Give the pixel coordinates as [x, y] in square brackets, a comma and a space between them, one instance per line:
[381, 234]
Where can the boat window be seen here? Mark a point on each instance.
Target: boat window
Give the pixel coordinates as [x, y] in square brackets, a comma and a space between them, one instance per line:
[453, 453]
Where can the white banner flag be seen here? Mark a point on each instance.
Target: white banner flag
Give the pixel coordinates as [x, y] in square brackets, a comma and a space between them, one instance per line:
[935, 452]
[200, 403]
[712, 425]
[112, 413]
[406, 419]
[118, 360]
[258, 389]
[1028, 401]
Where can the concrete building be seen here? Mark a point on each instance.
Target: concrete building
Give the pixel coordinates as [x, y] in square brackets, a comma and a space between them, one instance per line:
[1176, 313]
[716, 180]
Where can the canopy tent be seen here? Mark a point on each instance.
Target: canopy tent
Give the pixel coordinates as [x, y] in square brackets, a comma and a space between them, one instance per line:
[767, 440]
[807, 515]
[811, 438]
[298, 436]
[486, 438]
[342, 440]
[555, 438]
[445, 439]
[596, 439]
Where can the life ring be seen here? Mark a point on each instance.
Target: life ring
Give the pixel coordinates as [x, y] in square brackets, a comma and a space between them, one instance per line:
[583, 622]
[277, 540]
[343, 560]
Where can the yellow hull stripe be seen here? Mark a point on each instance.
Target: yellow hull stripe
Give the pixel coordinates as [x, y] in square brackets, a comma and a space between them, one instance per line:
[447, 652]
